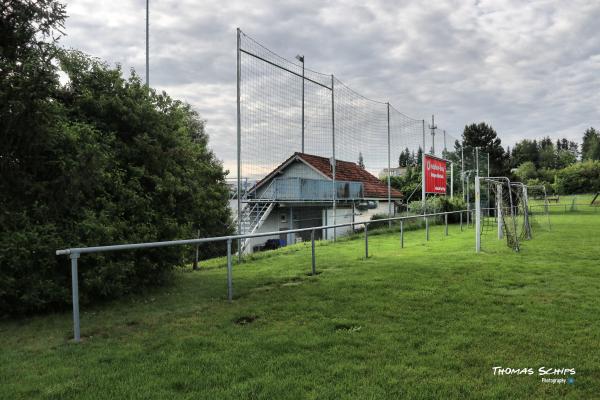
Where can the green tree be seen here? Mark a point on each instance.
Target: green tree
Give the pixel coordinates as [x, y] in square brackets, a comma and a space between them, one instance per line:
[28, 80]
[590, 147]
[419, 157]
[547, 154]
[525, 150]
[574, 148]
[526, 171]
[408, 183]
[484, 137]
[565, 158]
[404, 159]
[99, 160]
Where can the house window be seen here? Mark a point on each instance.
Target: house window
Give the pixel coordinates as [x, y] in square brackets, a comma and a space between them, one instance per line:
[282, 218]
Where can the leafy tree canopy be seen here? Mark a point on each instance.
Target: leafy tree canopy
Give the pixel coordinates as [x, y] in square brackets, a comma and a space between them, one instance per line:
[590, 147]
[100, 160]
[484, 137]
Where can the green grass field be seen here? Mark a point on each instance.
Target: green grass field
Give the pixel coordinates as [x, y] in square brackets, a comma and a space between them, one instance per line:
[427, 322]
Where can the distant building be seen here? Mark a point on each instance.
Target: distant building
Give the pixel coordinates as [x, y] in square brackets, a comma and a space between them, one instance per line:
[398, 171]
[299, 194]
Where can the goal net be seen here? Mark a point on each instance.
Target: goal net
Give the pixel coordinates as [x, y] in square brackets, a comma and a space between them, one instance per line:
[504, 215]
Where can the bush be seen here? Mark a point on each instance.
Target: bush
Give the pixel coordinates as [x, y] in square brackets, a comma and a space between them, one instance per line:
[109, 162]
[438, 204]
[582, 177]
[380, 224]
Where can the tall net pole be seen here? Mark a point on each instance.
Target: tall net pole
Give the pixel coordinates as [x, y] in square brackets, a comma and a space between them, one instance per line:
[302, 60]
[389, 172]
[239, 139]
[148, 43]
[477, 161]
[333, 147]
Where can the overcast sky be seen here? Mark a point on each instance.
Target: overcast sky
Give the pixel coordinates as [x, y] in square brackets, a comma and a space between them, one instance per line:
[529, 69]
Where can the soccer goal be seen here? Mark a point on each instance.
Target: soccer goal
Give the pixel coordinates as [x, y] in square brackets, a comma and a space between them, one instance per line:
[505, 214]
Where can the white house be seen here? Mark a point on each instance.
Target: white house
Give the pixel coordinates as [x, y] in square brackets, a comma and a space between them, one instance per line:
[299, 194]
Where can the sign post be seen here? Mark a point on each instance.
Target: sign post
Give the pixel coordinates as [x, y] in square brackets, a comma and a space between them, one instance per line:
[451, 179]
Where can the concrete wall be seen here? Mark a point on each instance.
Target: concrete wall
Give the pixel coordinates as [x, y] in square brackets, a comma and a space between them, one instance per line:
[298, 169]
[366, 215]
[304, 217]
[343, 215]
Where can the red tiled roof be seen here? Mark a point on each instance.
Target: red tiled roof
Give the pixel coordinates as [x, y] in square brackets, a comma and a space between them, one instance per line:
[344, 171]
[349, 171]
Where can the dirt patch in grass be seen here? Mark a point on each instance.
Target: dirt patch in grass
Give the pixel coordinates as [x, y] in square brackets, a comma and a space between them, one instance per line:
[350, 328]
[245, 320]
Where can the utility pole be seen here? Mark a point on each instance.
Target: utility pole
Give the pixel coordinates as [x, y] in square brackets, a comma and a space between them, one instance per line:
[301, 59]
[433, 128]
[148, 43]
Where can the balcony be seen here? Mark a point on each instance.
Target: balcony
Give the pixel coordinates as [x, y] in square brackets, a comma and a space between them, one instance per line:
[303, 189]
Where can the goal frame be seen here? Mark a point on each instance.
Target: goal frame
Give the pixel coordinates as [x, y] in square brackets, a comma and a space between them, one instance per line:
[498, 180]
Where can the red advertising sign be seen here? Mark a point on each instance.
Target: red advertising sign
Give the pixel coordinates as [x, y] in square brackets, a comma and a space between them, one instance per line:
[435, 174]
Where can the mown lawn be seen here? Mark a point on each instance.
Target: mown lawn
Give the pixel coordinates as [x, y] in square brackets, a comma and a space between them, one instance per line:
[427, 322]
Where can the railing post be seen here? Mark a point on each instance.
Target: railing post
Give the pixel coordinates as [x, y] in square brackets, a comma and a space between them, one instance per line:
[75, 290]
[446, 222]
[468, 215]
[461, 227]
[366, 240]
[197, 254]
[312, 240]
[478, 214]
[229, 273]
[426, 228]
[401, 234]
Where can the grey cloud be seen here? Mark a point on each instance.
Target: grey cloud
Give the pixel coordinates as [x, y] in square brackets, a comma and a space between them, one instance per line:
[528, 68]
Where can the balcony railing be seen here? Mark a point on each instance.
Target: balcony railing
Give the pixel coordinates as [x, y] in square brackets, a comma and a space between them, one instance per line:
[304, 189]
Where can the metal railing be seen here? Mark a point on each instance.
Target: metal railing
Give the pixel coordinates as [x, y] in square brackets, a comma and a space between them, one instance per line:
[75, 253]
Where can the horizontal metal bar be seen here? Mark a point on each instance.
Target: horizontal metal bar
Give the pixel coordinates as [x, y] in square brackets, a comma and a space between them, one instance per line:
[134, 246]
[285, 69]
